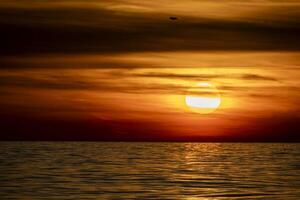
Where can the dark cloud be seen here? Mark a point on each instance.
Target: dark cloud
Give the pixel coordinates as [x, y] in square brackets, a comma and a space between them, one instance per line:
[176, 76]
[88, 83]
[63, 83]
[86, 30]
[207, 76]
[113, 80]
[53, 62]
[258, 77]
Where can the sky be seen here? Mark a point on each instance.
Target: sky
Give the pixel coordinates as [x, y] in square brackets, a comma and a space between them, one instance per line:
[121, 70]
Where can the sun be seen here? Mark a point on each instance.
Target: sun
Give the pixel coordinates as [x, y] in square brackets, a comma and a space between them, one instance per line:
[203, 98]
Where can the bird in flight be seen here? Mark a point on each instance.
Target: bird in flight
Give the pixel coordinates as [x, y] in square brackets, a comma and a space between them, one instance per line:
[173, 18]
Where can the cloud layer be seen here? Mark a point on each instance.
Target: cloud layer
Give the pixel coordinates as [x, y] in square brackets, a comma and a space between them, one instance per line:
[68, 29]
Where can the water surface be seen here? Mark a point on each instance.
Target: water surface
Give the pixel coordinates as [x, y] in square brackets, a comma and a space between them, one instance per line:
[100, 170]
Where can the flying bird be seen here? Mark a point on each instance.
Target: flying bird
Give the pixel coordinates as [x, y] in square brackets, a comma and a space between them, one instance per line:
[173, 18]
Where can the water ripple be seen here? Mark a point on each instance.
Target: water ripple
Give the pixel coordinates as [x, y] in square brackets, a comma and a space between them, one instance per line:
[91, 170]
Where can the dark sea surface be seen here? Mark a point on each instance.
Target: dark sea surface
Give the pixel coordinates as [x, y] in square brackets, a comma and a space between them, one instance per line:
[102, 170]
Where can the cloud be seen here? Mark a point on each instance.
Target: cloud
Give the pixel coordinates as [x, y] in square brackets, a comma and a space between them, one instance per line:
[119, 80]
[73, 30]
[257, 77]
[87, 83]
[202, 77]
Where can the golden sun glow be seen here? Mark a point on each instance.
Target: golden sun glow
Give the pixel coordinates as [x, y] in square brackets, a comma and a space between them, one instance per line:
[204, 98]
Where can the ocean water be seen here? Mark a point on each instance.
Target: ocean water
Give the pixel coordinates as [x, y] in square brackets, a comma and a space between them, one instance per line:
[102, 170]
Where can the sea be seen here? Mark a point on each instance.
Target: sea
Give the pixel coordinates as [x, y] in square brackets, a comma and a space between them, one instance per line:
[128, 170]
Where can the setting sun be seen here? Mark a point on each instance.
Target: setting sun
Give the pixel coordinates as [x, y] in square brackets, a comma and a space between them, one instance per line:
[204, 98]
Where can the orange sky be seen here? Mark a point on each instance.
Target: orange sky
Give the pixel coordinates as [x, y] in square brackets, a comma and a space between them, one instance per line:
[120, 70]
